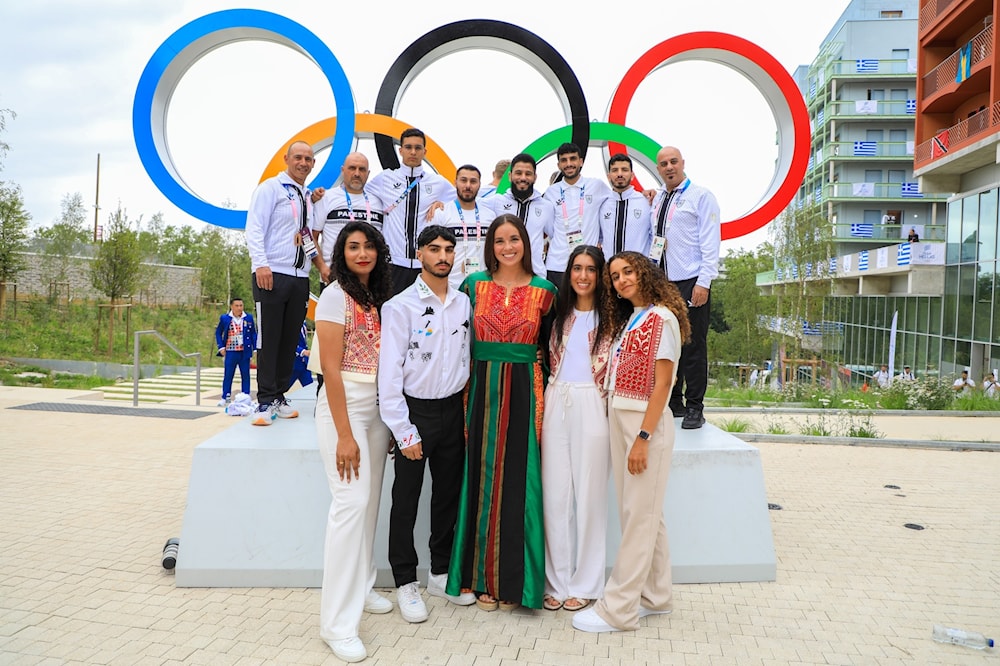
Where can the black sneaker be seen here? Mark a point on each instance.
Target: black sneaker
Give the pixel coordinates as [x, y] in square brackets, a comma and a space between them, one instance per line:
[693, 419]
[678, 410]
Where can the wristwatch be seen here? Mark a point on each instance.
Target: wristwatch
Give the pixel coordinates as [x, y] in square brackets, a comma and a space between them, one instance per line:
[644, 435]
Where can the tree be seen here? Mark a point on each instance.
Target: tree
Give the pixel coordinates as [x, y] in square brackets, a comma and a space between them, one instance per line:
[179, 246]
[13, 236]
[223, 255]
[116, 269]
[4, 147]
[743, 338]
[150, 238]
[66, 238]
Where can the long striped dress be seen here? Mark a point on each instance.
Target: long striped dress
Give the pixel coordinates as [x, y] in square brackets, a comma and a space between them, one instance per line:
[499, 545]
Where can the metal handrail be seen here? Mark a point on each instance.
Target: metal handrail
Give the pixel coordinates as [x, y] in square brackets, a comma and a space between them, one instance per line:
[135, 366]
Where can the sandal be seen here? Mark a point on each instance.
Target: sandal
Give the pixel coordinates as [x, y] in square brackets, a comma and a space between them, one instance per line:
[486, 602]
[575, 604]
[551, 603]
[508, 605]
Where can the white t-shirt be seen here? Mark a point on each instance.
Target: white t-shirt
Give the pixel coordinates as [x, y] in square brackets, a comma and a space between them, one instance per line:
[575, 364]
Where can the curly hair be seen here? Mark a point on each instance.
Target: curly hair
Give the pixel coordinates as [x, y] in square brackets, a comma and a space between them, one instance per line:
[566, 300]
[653, 286]
[379, 288]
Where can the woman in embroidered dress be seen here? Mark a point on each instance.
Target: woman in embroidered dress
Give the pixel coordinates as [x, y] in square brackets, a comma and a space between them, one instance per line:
[575, 445]
[499, 549]
[650, 325]
[353, 441]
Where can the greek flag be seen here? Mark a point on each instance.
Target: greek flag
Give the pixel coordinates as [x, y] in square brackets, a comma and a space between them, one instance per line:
[865, 148]
[866, 65]
[819, 117]
[862, 230]
[809, 269]
[910, 191]
[778, 274]
[833, 264]
[911, 106]
[812, 162]
[812, 89]
[863, 260]
[809, 329]
[795, 271]
[819, 194]
[903, 254]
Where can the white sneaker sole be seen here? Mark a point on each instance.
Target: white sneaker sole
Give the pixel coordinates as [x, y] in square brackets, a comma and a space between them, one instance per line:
[466, 599]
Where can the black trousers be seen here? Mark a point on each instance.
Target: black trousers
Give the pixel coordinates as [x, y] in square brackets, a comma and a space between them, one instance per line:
[402, 277]
[692, 369]
[441, 424]
[555, 277]
[280, 313]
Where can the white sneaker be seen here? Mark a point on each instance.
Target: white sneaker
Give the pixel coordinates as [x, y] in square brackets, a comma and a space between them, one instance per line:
[589, 620]
[222, 403]
[411, 605]
[436, 586]
[349, 649]
[262, 416]
[643, 612]
[285, 411]
[377, 604]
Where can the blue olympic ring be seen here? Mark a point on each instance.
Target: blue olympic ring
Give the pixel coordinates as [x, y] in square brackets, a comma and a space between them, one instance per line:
[176, 56]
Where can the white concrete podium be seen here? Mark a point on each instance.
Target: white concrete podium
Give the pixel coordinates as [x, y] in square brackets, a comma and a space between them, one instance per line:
[258, 499]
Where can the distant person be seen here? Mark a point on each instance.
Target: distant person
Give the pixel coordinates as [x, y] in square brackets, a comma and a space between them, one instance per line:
[301, 373]
[754, 376]
[913, 237]
[963, 384]
[990, 385]
[686, 239]
[881, 376]
[280, 210]
[490, 188]
[625, 215]
[408, 193]
[906, 375]
[235, 339]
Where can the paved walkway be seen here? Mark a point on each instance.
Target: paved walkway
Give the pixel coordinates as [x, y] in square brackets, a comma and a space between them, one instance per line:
[87, 501]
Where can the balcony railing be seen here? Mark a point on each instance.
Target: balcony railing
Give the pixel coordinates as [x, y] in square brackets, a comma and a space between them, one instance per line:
[892, 232]
[930, 11]
[870, 149]
[983, 123]
[867, 191]
[903, 108]
[867, 67]
[946, 72]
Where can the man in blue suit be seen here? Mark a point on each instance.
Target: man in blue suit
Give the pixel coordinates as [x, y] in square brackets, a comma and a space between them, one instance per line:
[235, 338]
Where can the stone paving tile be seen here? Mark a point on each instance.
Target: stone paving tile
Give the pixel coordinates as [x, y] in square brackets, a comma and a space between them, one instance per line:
[86, 503]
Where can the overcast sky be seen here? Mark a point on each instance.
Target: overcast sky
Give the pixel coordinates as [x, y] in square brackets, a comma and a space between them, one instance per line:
[71, 68]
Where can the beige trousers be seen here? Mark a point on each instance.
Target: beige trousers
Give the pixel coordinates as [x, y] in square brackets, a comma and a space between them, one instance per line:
[641, 574]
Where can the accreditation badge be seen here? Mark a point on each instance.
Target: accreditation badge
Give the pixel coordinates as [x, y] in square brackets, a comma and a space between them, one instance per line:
[656, 250]
[574, 238]
[471, 265]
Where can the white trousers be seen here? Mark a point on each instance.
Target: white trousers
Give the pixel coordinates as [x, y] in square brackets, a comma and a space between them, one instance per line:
[348, 561]
[575, 460]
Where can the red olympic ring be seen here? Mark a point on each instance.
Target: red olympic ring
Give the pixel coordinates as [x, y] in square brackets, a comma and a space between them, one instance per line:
[720, 47]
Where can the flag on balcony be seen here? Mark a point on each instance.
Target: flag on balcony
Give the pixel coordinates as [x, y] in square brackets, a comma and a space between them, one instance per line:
[812, 162]
[939, 144]
[833, 264]
[863, 189]
[819, 118]
[911, 106]
[866, 65]
[964, 63]
[863, 260]
[818, 195]
[812, 89]
[809, 329]
[778, 274]
[809, 269]
[862, 230]
[903, 254]
[865, 148]
[865, 106]
[795, 271]
[910, 191]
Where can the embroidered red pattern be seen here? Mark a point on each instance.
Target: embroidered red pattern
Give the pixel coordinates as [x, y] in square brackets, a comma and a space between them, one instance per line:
[362, 338]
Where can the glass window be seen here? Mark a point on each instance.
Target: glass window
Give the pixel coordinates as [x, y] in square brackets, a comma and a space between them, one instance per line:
[908, 320]
[966, 299]
[875, 134]
[996, 315]
[988, 225]
[954, 232]
[970, 228]
[933, 365]
[873, 175]
[984, 301]
[934, 315]
[963, 355]
[950, 301]
[900, 93]
[948, 365]
[896, 175]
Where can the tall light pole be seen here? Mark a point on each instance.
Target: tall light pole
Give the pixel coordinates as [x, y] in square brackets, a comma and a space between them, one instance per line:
[97, 196]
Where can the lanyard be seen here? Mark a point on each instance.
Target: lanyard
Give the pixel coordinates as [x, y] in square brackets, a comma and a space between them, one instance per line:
[465, 230]
[368, 208]
[672, 196]
[562, 201]
[302, 202]
[637, 317]
[404, 194]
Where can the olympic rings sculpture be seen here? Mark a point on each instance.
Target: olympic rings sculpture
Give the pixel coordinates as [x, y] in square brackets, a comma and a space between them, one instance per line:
[191, 42]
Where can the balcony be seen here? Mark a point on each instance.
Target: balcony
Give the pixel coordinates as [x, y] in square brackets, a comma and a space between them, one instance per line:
[865, 233]
[868, 68]
[945, 74]
[962, 147]
[894, 109]
[930, 12]
[869, 150]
